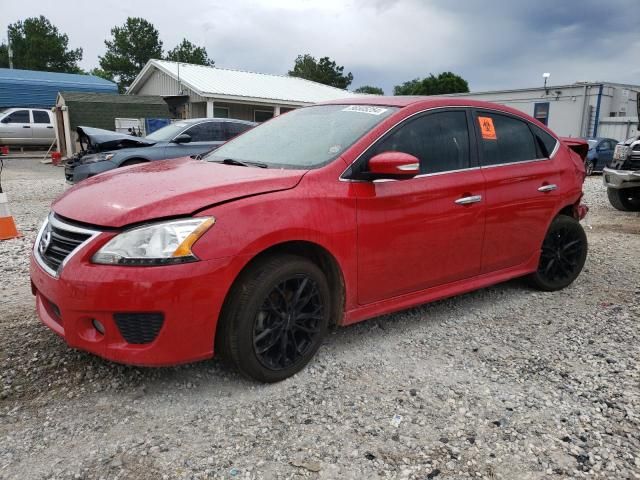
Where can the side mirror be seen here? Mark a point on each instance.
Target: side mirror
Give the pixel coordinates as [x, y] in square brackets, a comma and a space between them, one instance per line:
[394, 165]
[182, 138]
[6, 120]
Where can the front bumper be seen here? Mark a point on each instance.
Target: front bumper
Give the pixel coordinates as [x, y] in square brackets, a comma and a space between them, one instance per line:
[620, 178]
[76, 172]
[189, 297]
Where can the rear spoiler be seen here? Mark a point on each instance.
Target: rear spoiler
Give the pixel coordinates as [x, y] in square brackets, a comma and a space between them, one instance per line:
[578, 145]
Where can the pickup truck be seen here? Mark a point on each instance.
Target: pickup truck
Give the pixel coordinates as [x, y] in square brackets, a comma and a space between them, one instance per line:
[622, 176]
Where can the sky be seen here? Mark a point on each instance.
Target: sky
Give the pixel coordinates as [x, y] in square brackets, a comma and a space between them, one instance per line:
[493, 44]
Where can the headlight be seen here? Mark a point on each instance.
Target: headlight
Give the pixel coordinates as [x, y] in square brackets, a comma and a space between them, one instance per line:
[163, 243]
[98, 157]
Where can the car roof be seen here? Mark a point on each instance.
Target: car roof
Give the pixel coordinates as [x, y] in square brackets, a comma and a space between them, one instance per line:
[191, 121]
[599, 139]
[426, 102]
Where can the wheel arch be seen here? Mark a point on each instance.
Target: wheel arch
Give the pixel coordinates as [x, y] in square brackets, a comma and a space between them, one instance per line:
[315, 252]
[133, 159]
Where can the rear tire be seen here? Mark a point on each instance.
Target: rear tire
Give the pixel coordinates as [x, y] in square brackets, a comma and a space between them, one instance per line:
[625, 199]
[275, 318]
[589, 167]
[562, 256]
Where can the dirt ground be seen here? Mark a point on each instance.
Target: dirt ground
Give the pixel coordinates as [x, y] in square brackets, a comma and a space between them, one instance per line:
[502, 383]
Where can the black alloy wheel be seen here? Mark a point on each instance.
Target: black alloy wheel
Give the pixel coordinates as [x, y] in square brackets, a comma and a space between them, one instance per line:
[288, 322]
[275, 317]
[562, 256]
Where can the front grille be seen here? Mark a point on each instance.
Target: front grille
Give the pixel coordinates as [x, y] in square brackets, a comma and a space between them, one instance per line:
[633, 161]
[58, 240]
[139, 328]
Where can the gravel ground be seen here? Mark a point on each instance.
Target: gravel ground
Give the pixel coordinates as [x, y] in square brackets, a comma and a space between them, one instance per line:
[502, 383]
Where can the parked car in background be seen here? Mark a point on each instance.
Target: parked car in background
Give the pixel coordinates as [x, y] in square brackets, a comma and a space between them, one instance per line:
[600, 153]
[622, 176]
[103, 150]
[26, 127]
[328, 215]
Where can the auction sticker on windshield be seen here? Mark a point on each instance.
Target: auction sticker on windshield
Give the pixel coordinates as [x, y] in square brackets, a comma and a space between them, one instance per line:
[365, 109]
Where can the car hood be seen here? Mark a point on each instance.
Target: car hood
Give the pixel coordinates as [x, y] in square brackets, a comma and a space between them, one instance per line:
[99, 140]
[167, 188]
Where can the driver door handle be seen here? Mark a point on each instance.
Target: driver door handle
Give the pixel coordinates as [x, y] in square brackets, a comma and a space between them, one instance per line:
[548, 188]
[469, 200]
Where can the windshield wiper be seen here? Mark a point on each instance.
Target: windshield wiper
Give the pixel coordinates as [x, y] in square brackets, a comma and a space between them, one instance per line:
[233, 161]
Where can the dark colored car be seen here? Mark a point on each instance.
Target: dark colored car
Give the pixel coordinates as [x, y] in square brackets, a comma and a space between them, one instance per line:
[600, 153]
[328, 215]
[103, 150]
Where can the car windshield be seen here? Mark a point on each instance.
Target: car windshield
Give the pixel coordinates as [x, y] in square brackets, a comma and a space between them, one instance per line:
[167, 133]
[592, 143]
[304, 138]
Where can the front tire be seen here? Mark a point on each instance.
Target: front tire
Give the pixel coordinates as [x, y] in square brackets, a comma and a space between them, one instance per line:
[275, 319]
[562, 256]
[625, 199]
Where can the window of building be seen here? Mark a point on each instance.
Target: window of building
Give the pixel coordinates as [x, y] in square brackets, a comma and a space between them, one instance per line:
[262, 115]
[541, 112]
[40, 117]
[19, 116]
[505, 139]
[439, 140]
[220, 112]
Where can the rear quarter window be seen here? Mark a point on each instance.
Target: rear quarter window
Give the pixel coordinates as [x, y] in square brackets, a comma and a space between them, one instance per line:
[546, 142]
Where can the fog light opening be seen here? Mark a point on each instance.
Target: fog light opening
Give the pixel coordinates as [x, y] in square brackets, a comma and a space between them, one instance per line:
[98, 326]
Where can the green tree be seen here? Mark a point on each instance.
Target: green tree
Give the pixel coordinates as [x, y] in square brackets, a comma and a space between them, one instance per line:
[446, 82]
[132, 45]
[187, 52]
[324, 71]
[98, 72]
[37, 44]
[370, 90]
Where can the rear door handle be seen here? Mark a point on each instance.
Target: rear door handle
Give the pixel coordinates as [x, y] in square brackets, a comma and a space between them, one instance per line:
[548, 188]
[26, 126]
[469, 200]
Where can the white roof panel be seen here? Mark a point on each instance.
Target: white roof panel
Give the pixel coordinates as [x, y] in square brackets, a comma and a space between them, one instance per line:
[213, 81]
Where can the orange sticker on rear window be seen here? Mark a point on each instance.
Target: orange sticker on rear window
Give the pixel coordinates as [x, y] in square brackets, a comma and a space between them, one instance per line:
[487, 128]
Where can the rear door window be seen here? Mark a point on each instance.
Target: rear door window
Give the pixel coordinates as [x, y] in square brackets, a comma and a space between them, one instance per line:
[439, 140]
[207, 132]
[40, 117]
[504, 139]
[235, 129]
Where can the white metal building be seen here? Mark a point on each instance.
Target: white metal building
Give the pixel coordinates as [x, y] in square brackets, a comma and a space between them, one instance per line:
[200, 91]
[583, 109]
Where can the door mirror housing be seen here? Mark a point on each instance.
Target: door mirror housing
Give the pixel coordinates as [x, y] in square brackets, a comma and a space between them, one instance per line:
[182, 138]
[6, 119]
[394, 165]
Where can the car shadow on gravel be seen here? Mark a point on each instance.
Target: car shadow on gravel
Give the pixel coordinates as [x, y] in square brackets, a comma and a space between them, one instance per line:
[35, 363]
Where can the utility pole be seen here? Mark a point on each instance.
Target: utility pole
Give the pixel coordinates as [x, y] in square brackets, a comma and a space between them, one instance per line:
[9, 51]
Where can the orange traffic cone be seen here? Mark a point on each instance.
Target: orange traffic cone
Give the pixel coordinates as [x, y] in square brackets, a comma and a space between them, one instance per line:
[7, 225]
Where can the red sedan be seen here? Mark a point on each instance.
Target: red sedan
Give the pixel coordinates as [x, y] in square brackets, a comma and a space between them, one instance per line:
[328, 215]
